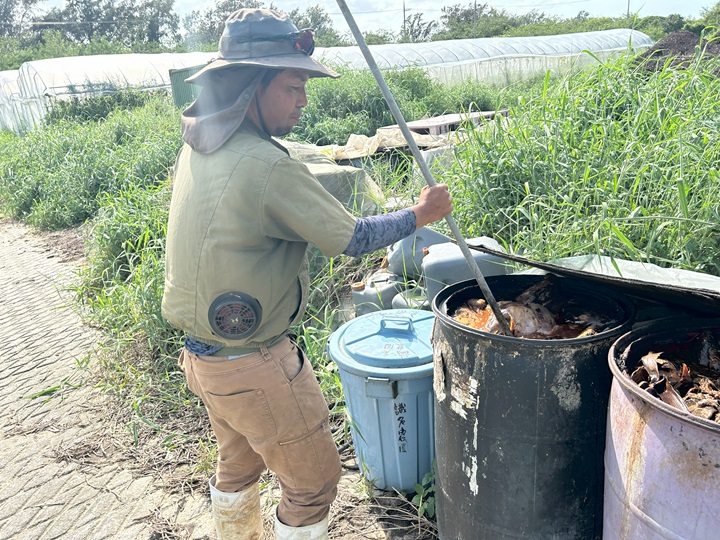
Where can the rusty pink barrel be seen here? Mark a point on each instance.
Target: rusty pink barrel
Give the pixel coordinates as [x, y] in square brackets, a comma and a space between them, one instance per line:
[662, 465]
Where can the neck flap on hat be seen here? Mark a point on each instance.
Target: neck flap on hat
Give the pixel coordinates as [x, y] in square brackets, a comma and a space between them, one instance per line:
[220, 107]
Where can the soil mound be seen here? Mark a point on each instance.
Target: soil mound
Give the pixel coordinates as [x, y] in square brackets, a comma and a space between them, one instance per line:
[677, 49]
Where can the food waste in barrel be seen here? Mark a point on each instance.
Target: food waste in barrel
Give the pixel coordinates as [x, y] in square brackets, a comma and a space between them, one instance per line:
[686, 376]
[539, 312]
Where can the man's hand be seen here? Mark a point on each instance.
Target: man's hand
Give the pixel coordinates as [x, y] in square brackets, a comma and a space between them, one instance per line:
[435, 203]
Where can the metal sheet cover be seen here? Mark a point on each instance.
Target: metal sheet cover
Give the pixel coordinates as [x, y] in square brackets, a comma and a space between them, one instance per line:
[691, 290]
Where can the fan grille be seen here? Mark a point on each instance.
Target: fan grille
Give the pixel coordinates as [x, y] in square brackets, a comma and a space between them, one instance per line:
[235, 315]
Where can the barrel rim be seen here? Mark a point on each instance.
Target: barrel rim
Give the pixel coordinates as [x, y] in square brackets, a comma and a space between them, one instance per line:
[624, 304]
[627, 384]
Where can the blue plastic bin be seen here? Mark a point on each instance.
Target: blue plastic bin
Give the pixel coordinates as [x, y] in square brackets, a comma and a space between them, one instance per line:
[385, 365]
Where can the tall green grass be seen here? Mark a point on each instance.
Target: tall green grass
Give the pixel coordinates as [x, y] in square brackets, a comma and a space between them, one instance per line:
[123, 276]
[99, 107]
[617, 161]
[52, 177]
[354, 103]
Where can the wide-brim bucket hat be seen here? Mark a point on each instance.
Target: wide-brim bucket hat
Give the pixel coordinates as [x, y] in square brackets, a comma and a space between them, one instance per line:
[264, 38]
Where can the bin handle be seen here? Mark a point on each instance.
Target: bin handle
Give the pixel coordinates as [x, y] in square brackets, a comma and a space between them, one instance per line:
[399, 320]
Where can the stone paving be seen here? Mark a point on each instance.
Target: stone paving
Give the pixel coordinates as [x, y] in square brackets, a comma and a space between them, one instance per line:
[50, 416]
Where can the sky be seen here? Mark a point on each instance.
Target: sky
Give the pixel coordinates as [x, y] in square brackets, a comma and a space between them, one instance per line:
[372, 15]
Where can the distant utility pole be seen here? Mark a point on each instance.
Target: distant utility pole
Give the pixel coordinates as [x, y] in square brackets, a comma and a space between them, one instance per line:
[404, 19]
[628, 10]
[475, 20]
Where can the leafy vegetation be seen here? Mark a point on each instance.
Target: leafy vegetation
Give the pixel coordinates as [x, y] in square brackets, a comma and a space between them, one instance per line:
[617, 160]
[52, 177]
[654, 26]
[99, 107]
[424, 498]
[354, 103]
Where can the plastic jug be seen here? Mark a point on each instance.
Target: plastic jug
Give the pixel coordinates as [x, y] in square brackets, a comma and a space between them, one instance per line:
[404, 257]
[376, 292]
[414, 297]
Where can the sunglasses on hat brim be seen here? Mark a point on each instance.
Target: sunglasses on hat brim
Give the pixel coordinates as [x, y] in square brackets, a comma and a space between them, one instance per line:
[304, 41]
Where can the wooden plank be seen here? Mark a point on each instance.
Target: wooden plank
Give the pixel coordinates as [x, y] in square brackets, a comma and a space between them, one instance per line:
[446, 123]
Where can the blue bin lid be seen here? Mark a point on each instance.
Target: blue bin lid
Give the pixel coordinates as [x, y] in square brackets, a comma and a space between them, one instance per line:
[389, 339]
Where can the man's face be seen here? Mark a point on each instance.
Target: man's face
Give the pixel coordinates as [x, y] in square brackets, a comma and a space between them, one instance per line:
[281, 102]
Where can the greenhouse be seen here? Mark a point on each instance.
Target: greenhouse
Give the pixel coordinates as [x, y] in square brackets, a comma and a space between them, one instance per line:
[27, 94]
[496, 61]
[11, 111]
[25, 101]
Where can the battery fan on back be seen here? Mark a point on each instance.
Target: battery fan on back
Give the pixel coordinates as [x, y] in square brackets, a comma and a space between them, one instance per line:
[235, 315]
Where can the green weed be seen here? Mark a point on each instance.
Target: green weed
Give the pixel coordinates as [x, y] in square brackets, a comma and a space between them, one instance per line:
[616, 161]
[55, 390]
[354, 103]
[424, 498]
[99, 107]
[52, 177]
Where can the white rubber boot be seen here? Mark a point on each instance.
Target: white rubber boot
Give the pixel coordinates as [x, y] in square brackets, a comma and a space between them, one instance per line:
[237, 516]
[318, 531]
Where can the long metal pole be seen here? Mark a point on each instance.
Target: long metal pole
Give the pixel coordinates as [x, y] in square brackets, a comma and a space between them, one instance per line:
[422, 164]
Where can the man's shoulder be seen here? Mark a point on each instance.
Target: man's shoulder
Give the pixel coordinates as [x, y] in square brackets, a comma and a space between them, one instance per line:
[247, 143]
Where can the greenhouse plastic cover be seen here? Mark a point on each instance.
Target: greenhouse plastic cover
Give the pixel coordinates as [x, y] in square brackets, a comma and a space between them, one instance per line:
[9, 99]
[27, 95]
[469, 50]
[495, 61]
[38, 82]
[76, 75]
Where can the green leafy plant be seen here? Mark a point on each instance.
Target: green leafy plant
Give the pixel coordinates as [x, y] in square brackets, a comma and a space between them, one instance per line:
[54, 177]
[354, 103]
[99, 107]
[616, 160]
[424, 498]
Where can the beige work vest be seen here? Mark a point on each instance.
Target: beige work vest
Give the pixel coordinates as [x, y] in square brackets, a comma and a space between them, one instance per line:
[240, 220]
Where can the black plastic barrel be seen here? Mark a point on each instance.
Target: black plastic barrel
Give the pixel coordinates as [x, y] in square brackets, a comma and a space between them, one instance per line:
[520, 423]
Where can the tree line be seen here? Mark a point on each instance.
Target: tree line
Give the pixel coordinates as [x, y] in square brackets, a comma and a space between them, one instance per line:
[82, 27]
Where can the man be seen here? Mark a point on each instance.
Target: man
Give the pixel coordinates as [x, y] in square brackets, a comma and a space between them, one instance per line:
[241, 217]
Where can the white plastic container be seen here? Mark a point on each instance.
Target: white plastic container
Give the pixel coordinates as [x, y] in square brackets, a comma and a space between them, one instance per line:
[414, 297]
[376, 292]
[445, 264]
[405, 257]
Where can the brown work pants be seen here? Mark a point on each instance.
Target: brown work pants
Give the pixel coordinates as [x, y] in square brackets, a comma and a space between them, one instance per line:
[267, 411]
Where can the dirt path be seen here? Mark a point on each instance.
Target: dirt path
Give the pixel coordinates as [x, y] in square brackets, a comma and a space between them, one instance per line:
[67, 472]
[62, 475]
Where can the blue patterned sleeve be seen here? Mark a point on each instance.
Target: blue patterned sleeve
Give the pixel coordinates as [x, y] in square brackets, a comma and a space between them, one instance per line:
[375, 232]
